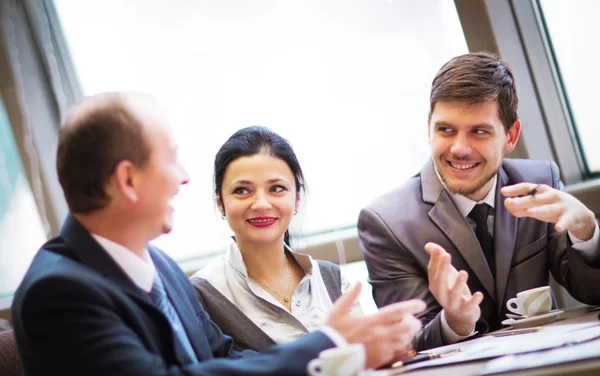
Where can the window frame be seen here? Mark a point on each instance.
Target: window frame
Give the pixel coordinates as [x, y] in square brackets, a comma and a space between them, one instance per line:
[514, 30]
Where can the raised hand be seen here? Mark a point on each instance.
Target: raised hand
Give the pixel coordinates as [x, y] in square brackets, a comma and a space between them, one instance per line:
[450, 289]
[387, 334]
[550, 205]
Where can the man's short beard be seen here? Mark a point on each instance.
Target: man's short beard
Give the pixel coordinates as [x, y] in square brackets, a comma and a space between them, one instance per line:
[468, 190]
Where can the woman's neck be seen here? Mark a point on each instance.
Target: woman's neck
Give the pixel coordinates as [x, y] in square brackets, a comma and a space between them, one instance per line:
[264, 261]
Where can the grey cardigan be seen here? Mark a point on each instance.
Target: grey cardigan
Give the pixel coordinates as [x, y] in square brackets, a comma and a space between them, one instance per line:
[233, 322]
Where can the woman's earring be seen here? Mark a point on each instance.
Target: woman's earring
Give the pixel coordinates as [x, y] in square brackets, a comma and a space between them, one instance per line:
[295, 211]
[223, 217]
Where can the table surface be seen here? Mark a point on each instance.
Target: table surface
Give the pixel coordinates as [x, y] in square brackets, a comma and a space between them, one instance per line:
[574, 321]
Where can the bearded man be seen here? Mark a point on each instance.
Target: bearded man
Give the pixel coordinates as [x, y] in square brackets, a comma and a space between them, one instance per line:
[473, 229]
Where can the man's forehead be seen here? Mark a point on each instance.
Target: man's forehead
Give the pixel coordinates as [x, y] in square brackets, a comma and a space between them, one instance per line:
[464, 111]
[157, 128]
[146, 106]
[150, 115]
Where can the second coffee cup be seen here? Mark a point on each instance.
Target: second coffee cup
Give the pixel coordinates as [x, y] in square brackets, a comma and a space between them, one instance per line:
[531, 302]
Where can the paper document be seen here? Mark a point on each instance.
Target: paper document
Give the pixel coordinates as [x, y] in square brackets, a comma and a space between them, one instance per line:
[490, 347]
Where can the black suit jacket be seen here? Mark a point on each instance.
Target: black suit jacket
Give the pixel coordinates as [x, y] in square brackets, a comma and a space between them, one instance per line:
[77, 313]
[394, 229]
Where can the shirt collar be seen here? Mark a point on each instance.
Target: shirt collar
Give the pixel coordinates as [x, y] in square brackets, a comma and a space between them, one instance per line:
[141, 271]
[235, 259]
[465, 204]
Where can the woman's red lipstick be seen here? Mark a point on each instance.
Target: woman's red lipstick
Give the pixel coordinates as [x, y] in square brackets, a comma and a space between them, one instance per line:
[262, 221]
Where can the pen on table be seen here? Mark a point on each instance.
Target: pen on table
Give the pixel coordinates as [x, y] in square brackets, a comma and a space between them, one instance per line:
[516, 331]
[423, 357]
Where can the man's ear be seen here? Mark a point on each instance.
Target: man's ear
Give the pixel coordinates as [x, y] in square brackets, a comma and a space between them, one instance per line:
[429, 129]
[512, 136]
[125, 180]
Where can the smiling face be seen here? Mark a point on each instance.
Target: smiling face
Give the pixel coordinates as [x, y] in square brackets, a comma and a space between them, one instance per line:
[468, 143]
[159, 180]
[259, 198]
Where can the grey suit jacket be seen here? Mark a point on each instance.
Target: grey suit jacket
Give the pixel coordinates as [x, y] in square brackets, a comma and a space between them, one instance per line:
[394, 229]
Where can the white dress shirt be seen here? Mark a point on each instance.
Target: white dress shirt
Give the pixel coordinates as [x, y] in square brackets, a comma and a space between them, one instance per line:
[310, 301]
[140, 271]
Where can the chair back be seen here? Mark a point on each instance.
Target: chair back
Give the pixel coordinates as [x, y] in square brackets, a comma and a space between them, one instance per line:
[10, 364]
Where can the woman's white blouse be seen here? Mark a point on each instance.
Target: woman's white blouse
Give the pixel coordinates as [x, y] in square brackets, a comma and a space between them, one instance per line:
[310, 301]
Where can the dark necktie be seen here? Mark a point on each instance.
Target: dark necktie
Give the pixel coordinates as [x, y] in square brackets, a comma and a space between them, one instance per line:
[161, 301]
[479, 215]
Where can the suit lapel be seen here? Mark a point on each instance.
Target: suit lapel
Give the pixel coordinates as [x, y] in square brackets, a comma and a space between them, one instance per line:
[505, 237]
[448, 218]
[183, 307]
[93, 256]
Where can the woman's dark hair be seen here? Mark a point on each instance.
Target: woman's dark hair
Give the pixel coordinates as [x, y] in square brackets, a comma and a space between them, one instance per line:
[256, 140]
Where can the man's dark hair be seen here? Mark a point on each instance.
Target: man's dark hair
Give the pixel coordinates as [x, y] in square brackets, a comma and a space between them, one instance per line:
[476, 78]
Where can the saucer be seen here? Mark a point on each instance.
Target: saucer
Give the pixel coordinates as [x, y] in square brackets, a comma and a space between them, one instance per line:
[524, 322]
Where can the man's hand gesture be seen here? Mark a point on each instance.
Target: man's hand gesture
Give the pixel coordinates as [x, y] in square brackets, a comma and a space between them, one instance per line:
[547, 204]
[449, 287]
[386, 335]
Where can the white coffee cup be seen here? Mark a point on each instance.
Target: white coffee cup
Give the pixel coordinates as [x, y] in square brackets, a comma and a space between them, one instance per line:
[346, 360]
[532, 302]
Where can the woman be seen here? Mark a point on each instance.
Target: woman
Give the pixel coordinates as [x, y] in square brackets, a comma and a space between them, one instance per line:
[261, 292]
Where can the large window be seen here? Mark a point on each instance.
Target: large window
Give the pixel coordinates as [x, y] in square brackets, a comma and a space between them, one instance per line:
[21, 230]
[574, 34]
[346, 81]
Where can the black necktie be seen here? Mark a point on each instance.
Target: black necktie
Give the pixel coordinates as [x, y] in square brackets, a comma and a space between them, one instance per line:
[479, 215]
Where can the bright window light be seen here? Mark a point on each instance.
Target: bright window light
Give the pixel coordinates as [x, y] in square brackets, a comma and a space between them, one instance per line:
[574, 33]
[346, 81]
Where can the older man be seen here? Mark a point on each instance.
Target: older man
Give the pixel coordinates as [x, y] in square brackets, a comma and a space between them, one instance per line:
[98, 300]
